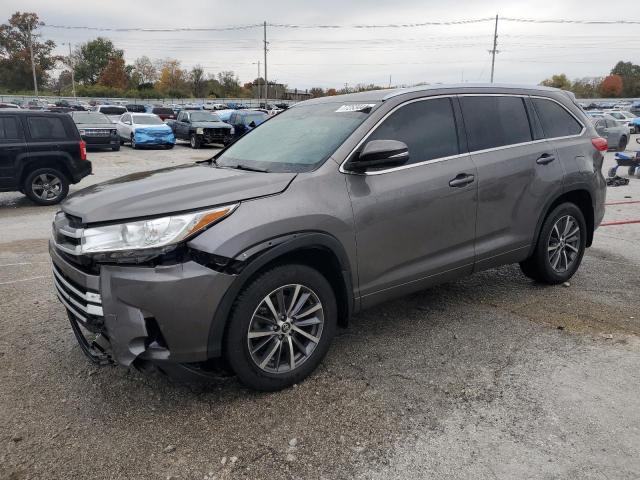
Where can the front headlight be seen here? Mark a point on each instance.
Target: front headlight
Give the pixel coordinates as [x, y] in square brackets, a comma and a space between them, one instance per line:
[82, 132]
[200, 131]
[152, 233]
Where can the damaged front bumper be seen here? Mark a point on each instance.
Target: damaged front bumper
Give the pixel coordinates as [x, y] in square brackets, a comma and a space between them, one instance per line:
[142, 313]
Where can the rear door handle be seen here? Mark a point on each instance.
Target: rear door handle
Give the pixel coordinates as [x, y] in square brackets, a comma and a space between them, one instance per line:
[545, 158]
[461, 180]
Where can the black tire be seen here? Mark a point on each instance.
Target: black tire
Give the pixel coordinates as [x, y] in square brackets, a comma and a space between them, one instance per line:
[133, 142]
[195, 141]
[236, 343]
[115, 148]
[539, 266]
[612, 172]
[54, 178]
[168, 147]
[622, 144]
[121, 141]
[631, 171]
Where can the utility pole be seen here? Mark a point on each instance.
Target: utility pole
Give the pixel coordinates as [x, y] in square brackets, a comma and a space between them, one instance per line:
[33, 63]
[73, 76]
[266, 82]
[389, 81]
[495, 49]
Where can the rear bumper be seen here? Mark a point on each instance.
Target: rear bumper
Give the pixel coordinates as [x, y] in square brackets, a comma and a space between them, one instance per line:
[83, 169]
[157, 314]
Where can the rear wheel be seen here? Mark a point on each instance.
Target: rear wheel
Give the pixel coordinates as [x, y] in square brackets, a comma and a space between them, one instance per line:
[622, 144]
[281, 327]
[560, 247]
[46, 186]
[115, 148]
[133, 142]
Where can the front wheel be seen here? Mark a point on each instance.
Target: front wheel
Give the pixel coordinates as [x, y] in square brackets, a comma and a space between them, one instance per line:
[560, 247]
[46, 186]
[281, 327]
[195, 141]
[133, 142]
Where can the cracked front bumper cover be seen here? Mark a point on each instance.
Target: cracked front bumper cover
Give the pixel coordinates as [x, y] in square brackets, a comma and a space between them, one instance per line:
[161, 313]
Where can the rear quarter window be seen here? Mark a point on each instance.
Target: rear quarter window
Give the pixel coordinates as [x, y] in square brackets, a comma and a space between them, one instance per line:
[9, 129]
[495, 121]
[46, 128]
[556, 120]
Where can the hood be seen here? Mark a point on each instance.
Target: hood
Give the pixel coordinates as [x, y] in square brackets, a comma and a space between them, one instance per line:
[158, 128]
[170, 190]
[210, 125]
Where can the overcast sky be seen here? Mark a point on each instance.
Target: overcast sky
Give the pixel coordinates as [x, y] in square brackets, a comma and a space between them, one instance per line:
[308, 57]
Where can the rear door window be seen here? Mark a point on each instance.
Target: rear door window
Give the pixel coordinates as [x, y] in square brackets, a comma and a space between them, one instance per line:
[9, 129]
[495, 121]
[46, 128]
[556, 120]
[428, 127]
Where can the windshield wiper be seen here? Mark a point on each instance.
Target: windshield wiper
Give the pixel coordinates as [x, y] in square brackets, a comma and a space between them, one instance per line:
[248, 168]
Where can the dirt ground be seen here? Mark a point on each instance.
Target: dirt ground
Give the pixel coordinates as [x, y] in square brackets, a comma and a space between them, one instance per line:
[489, 377]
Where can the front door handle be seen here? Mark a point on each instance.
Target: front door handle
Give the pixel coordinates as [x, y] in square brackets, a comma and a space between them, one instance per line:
[461, 180]
[545, 158]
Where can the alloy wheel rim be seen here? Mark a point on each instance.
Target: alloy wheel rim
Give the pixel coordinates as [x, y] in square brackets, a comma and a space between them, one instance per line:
[46, 186]
[285, 329]
[563, 246]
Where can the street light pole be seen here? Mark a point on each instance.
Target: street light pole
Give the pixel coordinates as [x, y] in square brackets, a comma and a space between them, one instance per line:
[73, 77]
[33, 63]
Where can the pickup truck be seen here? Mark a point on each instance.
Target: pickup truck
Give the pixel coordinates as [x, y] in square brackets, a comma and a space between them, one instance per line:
[200, 127]
[41, 153]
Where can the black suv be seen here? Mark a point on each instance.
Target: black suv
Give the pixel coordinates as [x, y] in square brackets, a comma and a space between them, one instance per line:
[41, 153]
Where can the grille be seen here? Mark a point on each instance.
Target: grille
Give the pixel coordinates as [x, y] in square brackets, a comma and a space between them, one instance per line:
[216, 132]
[98, 132]
[66, 236]
[83, 304]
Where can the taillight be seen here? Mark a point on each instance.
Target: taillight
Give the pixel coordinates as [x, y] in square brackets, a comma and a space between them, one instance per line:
[83, 150]
[600, 144]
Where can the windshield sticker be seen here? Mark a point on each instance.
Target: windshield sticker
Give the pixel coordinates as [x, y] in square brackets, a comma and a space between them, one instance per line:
[356, 107]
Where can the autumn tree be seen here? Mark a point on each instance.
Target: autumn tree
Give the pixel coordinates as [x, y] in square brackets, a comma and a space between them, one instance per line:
[114, 74]
[331, 92]
[229, 84]
[15, 57]
[172, 81]
[611, 86]
[92, 58]
[557, 81]
[144, 72]
[61, 84]
[317, 92]
[630, 74]
[198, 85]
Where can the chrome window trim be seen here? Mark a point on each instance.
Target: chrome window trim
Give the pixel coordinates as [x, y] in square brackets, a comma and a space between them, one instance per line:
[460, 155]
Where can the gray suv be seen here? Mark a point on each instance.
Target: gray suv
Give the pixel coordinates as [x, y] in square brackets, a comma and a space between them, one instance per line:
[251, 259]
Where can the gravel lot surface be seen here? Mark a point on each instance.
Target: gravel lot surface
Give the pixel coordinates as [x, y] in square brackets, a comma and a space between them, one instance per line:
[489, 377]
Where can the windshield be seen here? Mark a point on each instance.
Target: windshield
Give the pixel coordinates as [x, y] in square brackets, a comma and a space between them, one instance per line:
[81, 118]
[297, 140]
[113, 110]
[257, 117]
[136, 108]
[146, 120]
[204, 117]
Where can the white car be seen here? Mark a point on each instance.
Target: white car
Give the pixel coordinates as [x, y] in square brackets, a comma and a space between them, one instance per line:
[144, 129]
[624, 117]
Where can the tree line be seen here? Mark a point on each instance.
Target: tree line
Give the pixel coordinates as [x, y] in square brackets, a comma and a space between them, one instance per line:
[622, 82]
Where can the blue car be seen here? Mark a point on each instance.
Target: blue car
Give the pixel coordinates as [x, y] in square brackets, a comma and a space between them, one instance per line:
[243, 121]
[144, 129]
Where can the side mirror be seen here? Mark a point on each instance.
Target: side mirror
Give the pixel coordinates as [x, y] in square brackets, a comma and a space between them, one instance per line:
[379, 154]
[252, 124]
[186, 120]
